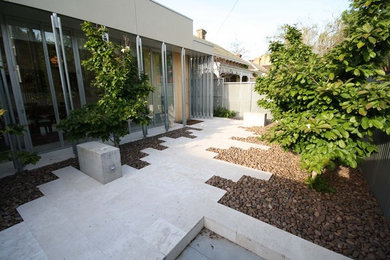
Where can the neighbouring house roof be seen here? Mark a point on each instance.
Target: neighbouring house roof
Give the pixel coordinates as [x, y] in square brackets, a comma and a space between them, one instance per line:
[225, 54]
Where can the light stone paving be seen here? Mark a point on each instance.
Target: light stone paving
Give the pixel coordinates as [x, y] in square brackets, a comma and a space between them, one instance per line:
[208, 247]
[151, 213]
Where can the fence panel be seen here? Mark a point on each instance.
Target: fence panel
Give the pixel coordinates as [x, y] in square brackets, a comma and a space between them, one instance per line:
[237, 96]
[376, 170]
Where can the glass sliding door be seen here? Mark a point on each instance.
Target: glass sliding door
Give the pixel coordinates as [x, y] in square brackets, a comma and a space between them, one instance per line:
[7, 142]
[170, 89]
[36, 64]
[55, 70]
[148, 72]
[92, 94]
[67, 42]
[31, 73]
[153, 68]
[157, 82]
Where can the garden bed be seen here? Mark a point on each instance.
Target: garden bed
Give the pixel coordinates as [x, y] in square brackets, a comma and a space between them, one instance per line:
[21, 188]
[349, 221]
[193, 122]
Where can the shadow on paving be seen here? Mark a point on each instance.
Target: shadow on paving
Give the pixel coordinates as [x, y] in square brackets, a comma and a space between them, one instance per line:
[131, 152]
[21, 188]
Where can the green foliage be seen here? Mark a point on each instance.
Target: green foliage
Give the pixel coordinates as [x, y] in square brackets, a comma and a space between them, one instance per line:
[326, 108]
[92, 121]
[124, 91]
[27, 157]
[319, 184]
[24, 157]
[224, 112]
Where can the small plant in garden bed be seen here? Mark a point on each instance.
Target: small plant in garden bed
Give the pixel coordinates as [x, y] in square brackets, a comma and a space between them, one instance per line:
[326, 108]
[224, 112]
[21, 157]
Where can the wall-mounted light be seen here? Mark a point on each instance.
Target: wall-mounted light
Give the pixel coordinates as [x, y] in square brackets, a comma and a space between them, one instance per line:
[54, 60]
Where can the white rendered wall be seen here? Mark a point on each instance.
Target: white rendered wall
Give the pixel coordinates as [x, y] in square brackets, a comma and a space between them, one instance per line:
[239, 97]
[141, 17]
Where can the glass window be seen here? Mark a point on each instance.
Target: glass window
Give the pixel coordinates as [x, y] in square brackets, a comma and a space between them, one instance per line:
[148, 71]
[92, 94]
[56, 71]
[158, 97]
[170, 89]
[27, 48]
[4, 144]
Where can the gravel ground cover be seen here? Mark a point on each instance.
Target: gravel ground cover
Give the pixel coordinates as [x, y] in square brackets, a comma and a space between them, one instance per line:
[349, 221]
[21, 188]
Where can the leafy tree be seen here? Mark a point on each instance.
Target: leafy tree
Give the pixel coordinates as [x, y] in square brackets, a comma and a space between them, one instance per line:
[22, 157]
[237, 47]
[328, 107]
[124, 91]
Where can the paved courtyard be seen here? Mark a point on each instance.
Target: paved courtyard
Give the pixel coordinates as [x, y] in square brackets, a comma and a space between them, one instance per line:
[151, 213]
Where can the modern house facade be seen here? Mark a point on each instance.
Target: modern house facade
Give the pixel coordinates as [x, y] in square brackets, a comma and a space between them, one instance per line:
[42, 79]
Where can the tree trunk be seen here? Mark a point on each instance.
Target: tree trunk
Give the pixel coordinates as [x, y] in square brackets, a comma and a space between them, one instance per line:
[116, 140]
[313, 175]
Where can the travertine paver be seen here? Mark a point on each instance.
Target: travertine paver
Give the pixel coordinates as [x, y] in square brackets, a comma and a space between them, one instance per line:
[147, 212]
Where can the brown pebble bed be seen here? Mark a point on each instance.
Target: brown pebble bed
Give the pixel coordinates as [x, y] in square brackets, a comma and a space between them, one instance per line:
[349, 222]
[21, 188]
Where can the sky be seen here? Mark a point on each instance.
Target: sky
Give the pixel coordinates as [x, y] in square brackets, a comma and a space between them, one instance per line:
[251, 22]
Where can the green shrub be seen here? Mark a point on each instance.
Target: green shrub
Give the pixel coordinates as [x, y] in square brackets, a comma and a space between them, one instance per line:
[325, 107]
[224, 112]
[22, 157]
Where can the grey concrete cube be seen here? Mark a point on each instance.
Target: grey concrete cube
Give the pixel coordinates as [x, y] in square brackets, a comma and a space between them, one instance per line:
[254, 119]
[100, 161]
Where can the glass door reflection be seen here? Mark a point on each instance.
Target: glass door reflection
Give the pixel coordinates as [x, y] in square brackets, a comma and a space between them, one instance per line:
[54, 65]
[157, 82]
[27, 48]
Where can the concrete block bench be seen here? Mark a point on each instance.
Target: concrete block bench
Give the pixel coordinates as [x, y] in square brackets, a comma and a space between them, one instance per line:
[100, 161]
[254, 119]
